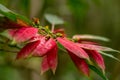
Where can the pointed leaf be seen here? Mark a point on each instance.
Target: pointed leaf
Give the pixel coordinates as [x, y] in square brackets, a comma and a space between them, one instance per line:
[27, 50]
[49, 61]
[95, 47]
[44, 65]
[87, 42]
[97, 58]
[109, 55]
[87, 36]
[44, 47]
[24, 34]
[11, 15]
[72, 47]
[98, 72]
[80, 63]
[4, 9]
[52, 59]
[53, 19]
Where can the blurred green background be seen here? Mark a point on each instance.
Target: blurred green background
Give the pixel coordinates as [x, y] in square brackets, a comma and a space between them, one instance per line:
[98, 17]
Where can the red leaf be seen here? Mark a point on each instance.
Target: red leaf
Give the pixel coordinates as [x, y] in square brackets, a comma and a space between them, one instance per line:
[44, 47]
[88, 42]
[44, 65]
[72, 47]
[93, 47]
[11, 32]
[36, 37]
[50, 61]
[24, 34]
[80, 63]
[27, 50]
[97, 58]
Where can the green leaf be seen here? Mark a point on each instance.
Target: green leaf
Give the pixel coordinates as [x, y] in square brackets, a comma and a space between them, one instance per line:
[109, 55]
[87, 36]
[109, 49]
[53, 19]
[11, 15]
[100, 73]
[4, 9]
[61, 47]
[23, 18]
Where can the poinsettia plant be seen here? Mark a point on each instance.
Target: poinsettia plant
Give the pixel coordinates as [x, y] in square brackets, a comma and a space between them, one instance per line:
[44, 41]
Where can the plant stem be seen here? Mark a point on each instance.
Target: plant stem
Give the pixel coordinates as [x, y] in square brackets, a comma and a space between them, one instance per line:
[53, 26]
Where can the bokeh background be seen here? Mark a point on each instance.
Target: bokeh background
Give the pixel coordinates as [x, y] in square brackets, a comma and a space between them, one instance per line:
[98, 17]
